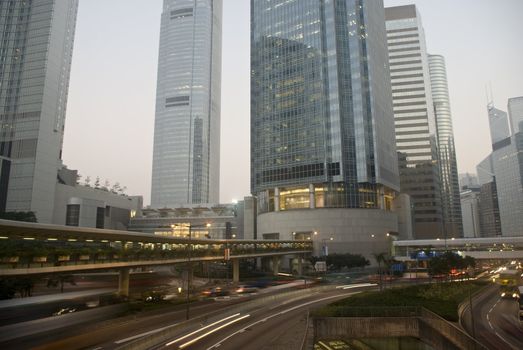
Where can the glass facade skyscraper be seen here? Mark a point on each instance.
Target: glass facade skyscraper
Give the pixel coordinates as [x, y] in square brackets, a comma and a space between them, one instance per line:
[186, 155]
[448, 167]
[515, 111]
[498, 123]
[36, 45]
[321, 109]
[415, 122]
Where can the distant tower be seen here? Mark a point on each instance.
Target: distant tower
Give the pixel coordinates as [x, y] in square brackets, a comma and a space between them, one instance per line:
[499, 125]
[36, 46]
[515, 111]
[186, 155]
[450, 193]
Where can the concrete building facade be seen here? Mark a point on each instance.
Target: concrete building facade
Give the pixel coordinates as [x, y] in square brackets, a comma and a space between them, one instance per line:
[470, 208]
[36, 50]
[415, 122]
[186, 154]
[86, 206]
[321, 115]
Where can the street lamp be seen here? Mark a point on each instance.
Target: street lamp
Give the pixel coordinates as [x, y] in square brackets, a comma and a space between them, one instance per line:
[325, 251]
[189, 266]
[324, 246]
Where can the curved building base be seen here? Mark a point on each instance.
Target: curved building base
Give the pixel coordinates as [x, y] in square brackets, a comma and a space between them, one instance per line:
[340, 230]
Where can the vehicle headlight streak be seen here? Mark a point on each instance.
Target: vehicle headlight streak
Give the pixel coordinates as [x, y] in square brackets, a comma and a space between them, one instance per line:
[212, 331]
[203, 328]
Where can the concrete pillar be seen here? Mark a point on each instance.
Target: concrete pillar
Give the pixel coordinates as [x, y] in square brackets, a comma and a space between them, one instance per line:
[299, 267]
[235, 270]
[123, 283]
[312, 199]
[275, 265]
[187, 276]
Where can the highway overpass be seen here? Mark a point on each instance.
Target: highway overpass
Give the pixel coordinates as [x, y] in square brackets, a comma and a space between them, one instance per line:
[32, 248]
[487, 248]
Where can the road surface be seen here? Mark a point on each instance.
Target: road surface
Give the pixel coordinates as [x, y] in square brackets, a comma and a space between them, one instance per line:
[496, 323]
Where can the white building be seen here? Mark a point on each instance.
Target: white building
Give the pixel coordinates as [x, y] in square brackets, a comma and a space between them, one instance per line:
[36, 45]
[415, 122]
[471, 212]
[186, 156]
[87, 206]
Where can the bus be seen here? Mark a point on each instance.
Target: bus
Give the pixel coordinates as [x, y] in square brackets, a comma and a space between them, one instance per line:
[509, 280]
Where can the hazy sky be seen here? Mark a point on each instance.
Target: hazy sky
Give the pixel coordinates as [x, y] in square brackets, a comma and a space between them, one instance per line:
[110, 116]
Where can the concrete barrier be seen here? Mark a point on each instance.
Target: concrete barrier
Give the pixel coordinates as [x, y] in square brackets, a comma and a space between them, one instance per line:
[426, 326]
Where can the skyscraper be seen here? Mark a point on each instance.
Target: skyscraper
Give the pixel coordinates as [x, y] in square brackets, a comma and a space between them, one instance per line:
[515, 111]
[415, 122]
[321, 116]
[186, 158]
[498, 123]
[448, 167]
[504, 168]
[36, 39]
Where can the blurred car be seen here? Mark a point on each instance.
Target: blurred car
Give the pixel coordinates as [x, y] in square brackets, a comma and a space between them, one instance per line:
[509, 293]
[215, 292]
[243, 289]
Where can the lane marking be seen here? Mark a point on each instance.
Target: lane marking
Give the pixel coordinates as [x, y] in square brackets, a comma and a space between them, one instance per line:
[357, 285]
[213, 331]
[274, 315]
[201, 329]
[495, 332]
[143, 334]
[325, 345]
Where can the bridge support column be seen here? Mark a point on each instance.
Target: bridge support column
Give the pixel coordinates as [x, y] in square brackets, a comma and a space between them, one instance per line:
[299, 267]
[275, 265]
[187, 276]
[235, 270]
[123, 283]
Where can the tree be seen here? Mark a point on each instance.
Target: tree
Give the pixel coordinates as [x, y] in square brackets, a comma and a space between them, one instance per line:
[27, 216]
[446, 262]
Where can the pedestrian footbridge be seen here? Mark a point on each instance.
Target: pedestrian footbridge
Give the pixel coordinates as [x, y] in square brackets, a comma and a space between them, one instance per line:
[32, 248]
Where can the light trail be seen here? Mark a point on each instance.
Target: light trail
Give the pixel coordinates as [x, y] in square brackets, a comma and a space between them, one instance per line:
[212, 331]
[201, 329]
[274, 315]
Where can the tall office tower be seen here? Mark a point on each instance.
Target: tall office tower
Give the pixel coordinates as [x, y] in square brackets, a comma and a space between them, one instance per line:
[321, 115]
[186, 158]
[448, 166]
[515, 111]
[36, 39]
[504, 168]
[498, 123]
[416, 132]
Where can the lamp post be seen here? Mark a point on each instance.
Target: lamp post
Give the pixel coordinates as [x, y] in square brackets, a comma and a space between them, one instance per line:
[189, 266]
[325, 250]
